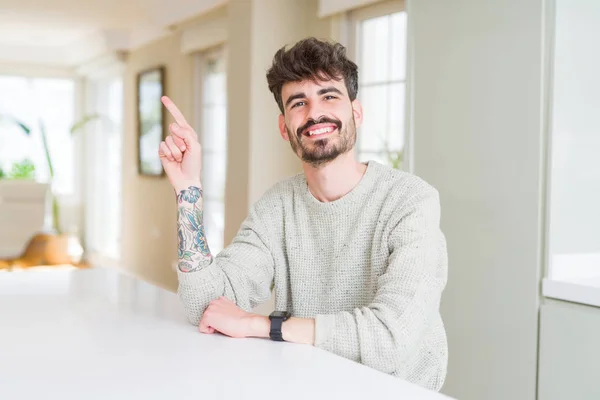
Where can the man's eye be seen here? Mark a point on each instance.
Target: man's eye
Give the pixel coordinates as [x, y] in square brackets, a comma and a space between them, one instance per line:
[330, 97]
[300, 103]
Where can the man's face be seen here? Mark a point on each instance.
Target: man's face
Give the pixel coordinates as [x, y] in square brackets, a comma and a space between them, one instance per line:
[319, 120]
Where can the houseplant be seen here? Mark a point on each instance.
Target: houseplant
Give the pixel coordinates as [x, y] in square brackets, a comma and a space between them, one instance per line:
[24, 169]
[395, 158]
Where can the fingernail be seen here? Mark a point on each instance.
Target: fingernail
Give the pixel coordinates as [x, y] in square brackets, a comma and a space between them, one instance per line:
[182, 148]
[175, 127]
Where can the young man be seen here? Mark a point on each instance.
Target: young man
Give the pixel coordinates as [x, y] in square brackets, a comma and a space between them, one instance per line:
[354, 249]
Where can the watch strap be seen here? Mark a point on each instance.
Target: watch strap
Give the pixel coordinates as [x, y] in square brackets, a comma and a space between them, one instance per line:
[275, 332]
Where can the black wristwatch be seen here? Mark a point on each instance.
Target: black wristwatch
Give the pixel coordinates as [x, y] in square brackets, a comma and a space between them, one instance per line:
[277, 319]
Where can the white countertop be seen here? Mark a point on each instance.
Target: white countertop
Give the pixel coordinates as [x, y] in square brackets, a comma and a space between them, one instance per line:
[99, 334]
[574, 278]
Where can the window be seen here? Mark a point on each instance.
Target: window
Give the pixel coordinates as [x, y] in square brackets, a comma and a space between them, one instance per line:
[104, 168]
[378, 46]
[574, 173]
[211, 120]
[31, 101]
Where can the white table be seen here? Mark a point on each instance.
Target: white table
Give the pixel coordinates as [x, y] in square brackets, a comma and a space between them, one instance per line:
[99, 334]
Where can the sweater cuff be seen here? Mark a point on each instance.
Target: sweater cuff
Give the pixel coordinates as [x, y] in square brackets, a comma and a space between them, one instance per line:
[324, 330]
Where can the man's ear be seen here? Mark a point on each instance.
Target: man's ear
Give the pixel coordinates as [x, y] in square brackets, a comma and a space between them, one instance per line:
[357, 112]
[282, 131]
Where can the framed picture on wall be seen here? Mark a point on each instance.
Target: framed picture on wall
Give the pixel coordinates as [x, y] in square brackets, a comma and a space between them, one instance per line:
[150, 119]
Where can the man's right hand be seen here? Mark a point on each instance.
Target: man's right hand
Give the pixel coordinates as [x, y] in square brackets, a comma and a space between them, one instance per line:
[180, 153]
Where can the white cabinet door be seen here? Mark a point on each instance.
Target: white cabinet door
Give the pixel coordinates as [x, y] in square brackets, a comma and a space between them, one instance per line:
[569, 364]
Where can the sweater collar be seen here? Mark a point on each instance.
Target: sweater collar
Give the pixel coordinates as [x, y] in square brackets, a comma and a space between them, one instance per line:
[363, 187]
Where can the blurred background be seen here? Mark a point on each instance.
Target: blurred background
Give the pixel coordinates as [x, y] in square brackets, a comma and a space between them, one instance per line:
[494, 102]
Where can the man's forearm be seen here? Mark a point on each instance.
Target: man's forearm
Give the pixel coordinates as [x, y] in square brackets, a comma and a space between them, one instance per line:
[295, 330]
[193, 250]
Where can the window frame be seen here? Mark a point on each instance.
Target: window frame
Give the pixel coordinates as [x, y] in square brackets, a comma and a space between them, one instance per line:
[200, 58]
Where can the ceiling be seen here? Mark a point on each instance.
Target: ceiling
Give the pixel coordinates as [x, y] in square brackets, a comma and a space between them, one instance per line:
[70, 32]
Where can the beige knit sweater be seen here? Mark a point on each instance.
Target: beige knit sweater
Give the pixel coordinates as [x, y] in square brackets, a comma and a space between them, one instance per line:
[369, 267]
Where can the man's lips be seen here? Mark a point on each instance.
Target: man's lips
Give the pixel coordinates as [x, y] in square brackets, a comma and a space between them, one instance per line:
[319, 130]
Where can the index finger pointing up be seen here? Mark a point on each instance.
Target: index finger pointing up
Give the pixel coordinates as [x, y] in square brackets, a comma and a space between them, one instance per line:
[179, 118]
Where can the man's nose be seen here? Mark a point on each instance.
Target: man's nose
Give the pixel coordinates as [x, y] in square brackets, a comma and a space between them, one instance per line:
[315, 112]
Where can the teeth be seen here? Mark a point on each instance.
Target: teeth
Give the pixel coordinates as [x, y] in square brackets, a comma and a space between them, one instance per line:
[320, 131]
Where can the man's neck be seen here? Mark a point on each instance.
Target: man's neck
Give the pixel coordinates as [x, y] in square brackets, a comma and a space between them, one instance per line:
[335, 179]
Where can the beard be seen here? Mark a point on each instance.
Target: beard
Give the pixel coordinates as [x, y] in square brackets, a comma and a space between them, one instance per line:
[321, 151]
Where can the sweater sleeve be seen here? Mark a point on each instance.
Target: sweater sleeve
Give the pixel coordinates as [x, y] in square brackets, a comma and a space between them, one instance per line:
[388, 333]
[242, 272]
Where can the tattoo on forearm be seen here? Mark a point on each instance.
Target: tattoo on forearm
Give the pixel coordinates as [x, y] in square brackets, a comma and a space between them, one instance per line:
[193, 249]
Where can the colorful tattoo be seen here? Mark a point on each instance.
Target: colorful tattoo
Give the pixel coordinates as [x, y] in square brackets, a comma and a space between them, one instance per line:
[193, 250]
[190, 195]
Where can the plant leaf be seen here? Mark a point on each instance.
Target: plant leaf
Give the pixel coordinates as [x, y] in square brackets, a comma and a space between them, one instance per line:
[47, 150]
[83, 122]
[15, 121]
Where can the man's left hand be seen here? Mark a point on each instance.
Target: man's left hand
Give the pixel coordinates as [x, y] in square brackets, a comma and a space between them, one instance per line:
[224, 316]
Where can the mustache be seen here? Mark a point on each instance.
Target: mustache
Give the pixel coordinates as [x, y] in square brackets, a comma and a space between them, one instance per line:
[321, 120]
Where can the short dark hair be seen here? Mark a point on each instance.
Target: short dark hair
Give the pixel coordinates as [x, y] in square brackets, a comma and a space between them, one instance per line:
[313, 59]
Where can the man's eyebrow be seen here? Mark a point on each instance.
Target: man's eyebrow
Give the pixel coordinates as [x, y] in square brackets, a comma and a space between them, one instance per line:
[329, 89]
[293, 97]
[321, 92]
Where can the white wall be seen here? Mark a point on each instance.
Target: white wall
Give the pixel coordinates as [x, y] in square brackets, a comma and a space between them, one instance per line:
[569, 352]
[149, 240]
[477, 68]
[575, 218]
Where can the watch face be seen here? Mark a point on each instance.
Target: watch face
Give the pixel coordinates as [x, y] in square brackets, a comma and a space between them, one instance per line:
[279, 314]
